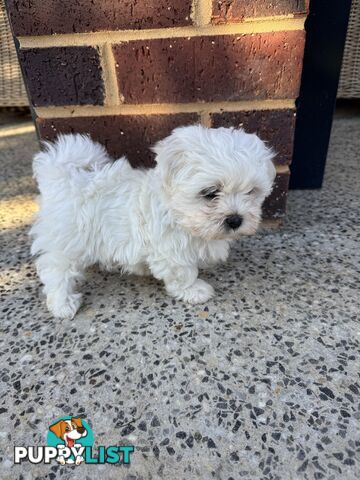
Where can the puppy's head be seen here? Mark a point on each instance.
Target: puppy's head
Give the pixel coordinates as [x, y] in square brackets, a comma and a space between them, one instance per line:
[69, 430]
[215, 180]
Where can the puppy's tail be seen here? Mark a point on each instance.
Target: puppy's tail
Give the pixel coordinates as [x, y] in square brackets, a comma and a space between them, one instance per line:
[69, 154]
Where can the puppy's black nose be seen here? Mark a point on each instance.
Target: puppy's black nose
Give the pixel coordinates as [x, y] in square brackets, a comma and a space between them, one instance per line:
[80, 429]
[233, 221]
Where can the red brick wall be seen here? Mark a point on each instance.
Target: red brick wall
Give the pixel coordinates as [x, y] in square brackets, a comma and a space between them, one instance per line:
[129, 72]
[237, 10]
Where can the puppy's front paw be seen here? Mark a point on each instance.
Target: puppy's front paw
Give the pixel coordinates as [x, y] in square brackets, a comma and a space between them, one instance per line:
[140, 269]
[64, 308]
[199, 292]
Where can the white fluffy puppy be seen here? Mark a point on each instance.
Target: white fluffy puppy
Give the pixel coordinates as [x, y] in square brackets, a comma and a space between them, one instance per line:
[205, 191]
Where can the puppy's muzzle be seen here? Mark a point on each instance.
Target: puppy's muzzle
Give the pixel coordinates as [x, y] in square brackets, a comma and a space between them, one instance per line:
[233, 222]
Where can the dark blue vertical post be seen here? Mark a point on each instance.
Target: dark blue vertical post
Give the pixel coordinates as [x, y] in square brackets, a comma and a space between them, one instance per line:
[326, 28]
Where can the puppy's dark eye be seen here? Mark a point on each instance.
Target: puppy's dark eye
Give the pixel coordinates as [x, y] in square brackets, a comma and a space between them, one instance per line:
[209, 193]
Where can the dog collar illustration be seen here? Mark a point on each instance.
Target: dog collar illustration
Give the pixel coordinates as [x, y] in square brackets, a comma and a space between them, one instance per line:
[69, 431]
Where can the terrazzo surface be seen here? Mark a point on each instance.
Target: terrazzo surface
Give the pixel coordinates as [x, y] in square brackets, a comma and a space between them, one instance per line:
[262, 382]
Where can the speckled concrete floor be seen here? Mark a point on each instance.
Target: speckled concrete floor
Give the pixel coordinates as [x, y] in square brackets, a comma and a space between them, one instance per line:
[261, 383]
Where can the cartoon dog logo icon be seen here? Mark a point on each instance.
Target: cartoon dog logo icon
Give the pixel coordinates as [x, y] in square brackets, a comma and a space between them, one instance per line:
[69, 431]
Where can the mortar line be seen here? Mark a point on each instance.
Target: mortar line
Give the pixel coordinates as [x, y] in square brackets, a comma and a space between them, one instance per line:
[247, 27]
[202, 12]
[109, 76]
[281, 169]
[163, 108]
[269, 224]
[205, 119]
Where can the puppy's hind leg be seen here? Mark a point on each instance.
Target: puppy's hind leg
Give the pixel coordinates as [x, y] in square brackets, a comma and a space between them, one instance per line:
[59, 276]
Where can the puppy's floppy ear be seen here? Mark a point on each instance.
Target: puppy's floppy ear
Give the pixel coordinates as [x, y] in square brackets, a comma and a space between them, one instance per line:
[170, 156]
[77, 421]
[270, 165]
[58, 428]
[268, 154]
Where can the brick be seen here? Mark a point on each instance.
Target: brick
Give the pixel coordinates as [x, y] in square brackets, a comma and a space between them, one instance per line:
[129, 135]
[237, 10]
[275, 205]
[63, 76]
[276, 127]
[45, 17]
[210, 68]
[132, 135]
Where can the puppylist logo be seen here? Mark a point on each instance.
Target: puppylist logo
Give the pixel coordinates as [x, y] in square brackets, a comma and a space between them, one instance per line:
[70, 440]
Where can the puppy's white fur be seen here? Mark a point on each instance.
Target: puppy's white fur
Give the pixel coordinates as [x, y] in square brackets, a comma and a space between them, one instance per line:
[162, 221]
